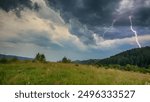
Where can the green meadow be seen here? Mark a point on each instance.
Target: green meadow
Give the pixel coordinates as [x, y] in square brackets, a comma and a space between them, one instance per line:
[29, 73]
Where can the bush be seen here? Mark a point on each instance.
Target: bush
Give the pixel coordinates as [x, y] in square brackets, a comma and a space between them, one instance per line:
[66, 60]
[40, 58]
[14, 59]
[129, 67]
[148, 67]
[76, 64]
[3, 60]
[116, 66]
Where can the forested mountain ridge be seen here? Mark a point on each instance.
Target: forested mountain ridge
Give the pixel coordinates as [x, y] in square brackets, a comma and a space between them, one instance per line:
[138, 56]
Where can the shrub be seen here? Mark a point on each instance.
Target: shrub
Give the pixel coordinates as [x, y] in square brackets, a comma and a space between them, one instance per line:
[14, 59]
[76, 64]
[3, 60]
[66, 60]
[40, 58]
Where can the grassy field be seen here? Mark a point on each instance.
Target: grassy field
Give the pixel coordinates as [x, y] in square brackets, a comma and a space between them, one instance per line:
[24, 73]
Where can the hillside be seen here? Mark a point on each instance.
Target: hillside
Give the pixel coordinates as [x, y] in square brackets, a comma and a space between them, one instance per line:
[22, 73]
[12, 56]
[139, 57]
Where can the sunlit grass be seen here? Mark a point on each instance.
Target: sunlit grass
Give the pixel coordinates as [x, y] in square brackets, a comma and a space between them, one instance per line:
[60, 73]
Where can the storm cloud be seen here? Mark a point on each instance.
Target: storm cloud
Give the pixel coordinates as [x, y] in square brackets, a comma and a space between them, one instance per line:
[98, 15]
[100, 12]
[77, 28]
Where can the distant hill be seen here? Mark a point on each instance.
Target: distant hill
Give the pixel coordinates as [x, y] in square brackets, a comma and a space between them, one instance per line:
[12, 56]
[137, 56]
[90, 61]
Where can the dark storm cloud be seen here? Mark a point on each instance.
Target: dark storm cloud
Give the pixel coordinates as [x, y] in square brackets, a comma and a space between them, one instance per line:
[81, 14]
[142, 17]
[17, 5]
[92, 12]
[13, 4]
[98, 12]
[84, 16]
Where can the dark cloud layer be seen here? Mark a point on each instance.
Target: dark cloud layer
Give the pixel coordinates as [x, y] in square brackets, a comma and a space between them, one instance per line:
[96, 16]
[143, 16]
[90, 12]
[98, 12]
[17, 5]
[13, 4]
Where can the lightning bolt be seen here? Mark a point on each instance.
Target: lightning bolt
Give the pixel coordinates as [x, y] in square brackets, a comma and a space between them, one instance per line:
[135, 33]
[112, 25]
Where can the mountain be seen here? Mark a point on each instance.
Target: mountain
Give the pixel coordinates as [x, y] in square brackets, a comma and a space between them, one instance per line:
[12, 56]
[137, 56]
[90, 61]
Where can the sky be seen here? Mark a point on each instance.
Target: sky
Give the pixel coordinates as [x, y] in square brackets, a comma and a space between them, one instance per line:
[77, 29]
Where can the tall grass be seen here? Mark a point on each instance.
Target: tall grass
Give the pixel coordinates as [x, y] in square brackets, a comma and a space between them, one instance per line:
[24, 73]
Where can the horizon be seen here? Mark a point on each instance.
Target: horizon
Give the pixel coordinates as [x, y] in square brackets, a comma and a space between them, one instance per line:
[71, 59]
[77, 29]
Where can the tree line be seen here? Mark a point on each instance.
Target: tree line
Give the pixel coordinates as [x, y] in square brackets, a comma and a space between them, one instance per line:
[38, 58]
[41, 58]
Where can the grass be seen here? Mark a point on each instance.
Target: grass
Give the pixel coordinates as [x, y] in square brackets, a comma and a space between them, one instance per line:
[24, 73]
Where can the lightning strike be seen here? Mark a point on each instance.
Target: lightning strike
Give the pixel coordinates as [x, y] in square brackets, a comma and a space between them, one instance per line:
[135, 33]
[112, 25]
